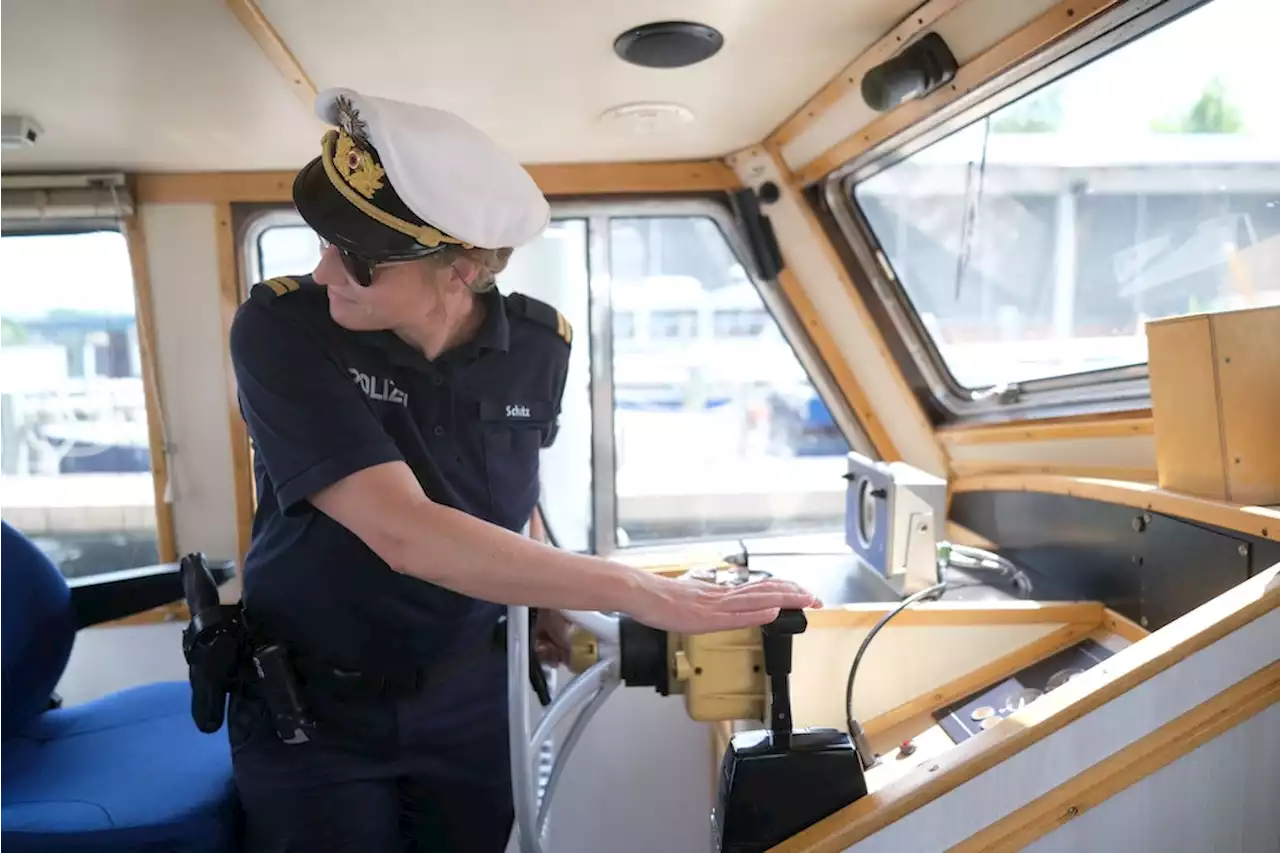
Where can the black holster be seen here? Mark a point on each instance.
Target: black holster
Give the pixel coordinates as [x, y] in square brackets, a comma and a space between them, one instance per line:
[221, 653]
[215, 644]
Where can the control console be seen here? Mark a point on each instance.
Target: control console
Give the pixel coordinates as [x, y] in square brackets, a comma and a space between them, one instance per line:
[777, 781]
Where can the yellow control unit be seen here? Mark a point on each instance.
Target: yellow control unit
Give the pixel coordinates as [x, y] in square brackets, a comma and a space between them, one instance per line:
[721, 675]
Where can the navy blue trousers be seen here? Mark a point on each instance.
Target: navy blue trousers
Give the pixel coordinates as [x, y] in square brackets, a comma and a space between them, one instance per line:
[427, 773]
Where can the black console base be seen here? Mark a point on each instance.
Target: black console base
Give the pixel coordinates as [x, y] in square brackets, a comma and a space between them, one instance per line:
[769, 791]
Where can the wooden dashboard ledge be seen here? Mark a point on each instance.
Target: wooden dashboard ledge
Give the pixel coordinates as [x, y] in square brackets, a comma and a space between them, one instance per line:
[1126, 669]
[1138, 422]
[1254, 520]
[950, 613]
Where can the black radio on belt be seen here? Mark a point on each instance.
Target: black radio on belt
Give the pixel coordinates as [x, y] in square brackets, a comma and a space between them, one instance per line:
[776, 782]
[293, 724]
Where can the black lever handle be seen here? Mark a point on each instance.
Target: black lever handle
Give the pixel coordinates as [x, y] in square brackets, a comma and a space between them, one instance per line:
[776, 639]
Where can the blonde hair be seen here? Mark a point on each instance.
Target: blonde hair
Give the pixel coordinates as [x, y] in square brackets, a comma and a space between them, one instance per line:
[490, 261]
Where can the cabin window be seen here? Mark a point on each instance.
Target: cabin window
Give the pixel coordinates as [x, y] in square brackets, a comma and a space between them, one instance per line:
[718, 430]
[690, 412]
[76, 472]
[285, 250]
[1029, 247]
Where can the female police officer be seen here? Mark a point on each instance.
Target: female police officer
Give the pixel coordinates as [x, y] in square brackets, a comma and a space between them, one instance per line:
[397, 403]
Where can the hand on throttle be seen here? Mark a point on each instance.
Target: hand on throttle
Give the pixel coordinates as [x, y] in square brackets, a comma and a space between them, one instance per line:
[697, 607]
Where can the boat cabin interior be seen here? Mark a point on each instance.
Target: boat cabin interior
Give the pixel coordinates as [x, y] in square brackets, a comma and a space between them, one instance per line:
[962, 314]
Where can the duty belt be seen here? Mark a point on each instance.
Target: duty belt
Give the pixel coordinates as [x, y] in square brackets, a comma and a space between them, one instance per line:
[317, 674]
[395, 684]
[225, 651]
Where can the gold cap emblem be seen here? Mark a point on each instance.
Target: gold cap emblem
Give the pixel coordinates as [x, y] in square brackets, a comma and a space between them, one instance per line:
[357, 166]
[353, 155]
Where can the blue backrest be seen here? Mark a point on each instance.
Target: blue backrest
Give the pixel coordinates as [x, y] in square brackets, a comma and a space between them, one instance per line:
[38, 628]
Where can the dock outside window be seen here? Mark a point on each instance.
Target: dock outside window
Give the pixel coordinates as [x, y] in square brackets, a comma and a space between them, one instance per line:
[76, 467]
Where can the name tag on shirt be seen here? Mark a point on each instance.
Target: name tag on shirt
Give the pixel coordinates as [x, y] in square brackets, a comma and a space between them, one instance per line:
[515, 412]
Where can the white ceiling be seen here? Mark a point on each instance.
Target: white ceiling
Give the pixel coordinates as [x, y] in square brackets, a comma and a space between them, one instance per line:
[179, 85]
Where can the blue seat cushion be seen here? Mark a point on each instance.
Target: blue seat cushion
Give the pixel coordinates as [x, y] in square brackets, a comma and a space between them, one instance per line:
[129, 771]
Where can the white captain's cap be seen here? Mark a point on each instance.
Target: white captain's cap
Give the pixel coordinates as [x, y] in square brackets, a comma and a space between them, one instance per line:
[398, 180]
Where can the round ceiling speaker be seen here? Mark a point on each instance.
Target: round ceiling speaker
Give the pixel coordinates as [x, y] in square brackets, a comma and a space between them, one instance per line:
[668, 44]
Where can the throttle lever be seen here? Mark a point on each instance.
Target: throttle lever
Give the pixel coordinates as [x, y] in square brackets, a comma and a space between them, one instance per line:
[776, 639]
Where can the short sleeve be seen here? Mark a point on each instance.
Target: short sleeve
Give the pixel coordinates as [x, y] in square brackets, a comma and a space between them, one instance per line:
[311, 426]
[560, 376]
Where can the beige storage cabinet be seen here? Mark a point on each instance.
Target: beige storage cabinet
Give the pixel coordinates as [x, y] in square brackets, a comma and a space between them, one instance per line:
[1215, 399]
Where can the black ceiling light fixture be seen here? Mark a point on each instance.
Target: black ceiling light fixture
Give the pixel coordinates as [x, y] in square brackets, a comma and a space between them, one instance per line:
[668, 44]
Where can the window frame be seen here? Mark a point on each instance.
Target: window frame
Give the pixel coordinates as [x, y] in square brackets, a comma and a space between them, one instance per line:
[255, 226]
[596, 214]
[1117, 389]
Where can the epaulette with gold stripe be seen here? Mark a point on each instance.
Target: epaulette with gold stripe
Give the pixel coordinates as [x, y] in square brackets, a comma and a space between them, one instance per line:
[542, 313]
[273, 287]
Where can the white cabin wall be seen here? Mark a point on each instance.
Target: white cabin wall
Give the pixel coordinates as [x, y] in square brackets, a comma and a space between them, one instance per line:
[183, 264]
[638, 781]
[1219, 797]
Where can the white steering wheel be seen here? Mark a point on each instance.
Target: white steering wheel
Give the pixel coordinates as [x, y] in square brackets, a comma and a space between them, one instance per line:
[584, 694]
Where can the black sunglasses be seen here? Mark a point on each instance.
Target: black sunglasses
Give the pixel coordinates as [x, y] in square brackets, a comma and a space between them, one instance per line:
[361, 269]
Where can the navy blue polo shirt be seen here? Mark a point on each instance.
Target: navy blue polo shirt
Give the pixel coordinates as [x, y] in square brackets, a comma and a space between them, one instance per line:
[322, 402]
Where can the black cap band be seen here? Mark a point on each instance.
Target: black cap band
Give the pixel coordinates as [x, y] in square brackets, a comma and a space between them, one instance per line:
[344, 196]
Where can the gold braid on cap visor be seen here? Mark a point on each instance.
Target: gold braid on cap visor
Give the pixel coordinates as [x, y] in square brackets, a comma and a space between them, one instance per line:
[354, 173]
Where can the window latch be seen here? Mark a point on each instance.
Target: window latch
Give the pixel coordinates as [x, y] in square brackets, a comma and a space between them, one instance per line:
[1004, 394]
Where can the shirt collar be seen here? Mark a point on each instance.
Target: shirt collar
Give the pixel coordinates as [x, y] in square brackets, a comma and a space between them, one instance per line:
[494, 334]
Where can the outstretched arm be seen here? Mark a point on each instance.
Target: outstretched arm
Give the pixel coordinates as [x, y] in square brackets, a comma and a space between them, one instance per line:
[386, 508]
[326, 450]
